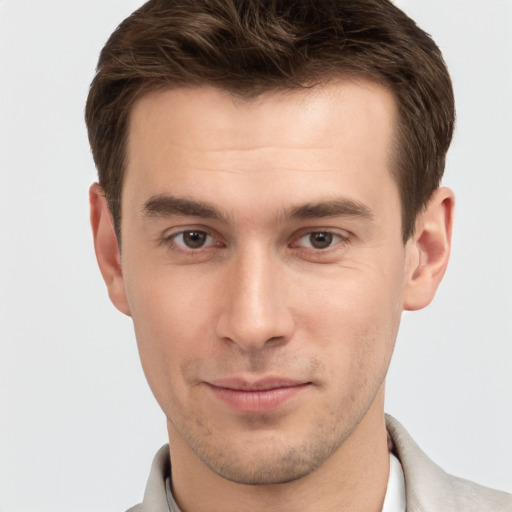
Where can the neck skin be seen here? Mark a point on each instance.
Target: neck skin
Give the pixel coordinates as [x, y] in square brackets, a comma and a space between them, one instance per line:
[353, 479]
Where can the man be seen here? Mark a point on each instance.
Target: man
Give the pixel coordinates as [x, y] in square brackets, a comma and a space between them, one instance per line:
[268, 204]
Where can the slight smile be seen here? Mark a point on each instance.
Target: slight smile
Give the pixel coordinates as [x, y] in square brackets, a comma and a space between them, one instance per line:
[260, 396]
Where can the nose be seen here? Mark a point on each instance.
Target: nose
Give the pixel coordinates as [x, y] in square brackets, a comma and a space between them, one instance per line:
[255, 311]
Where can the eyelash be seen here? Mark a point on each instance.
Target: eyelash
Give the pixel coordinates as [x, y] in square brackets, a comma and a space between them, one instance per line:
[337, 239]
[334, 239]
[170, 241]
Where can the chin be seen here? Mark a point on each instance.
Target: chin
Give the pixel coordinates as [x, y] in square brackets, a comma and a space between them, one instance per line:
[268, 463]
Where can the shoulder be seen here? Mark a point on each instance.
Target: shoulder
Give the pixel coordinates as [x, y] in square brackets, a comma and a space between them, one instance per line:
[472, 497]
[136, 508]
[428, 487]
[155, 496]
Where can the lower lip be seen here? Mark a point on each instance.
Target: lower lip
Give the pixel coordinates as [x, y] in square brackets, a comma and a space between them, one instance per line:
[257, 401]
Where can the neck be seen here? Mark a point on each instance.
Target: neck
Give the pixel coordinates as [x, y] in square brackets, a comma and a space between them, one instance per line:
[353, 479]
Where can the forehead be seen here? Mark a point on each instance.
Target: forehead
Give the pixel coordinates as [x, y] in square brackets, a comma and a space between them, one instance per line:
[303, 143]
[298, 116]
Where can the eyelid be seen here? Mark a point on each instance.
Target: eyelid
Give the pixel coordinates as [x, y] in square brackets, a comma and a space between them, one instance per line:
[209, 240]
[168, 238]
[342, 237]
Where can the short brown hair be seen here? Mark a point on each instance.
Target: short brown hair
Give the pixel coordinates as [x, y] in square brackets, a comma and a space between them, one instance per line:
[252, 46]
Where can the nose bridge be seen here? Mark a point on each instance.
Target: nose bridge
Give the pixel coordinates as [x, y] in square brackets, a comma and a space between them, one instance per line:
[255, 310]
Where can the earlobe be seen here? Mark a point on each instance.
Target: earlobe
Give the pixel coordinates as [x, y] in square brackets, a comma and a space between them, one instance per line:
[429, 250]
[107, 248]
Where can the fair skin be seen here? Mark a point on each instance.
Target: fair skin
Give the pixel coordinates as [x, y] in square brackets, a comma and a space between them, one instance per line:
[264, 268]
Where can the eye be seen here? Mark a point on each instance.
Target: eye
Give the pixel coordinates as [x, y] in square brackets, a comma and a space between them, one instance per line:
[193, 239]
[319, 240]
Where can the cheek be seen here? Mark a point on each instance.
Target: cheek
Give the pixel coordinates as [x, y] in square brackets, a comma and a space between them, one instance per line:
[168, 303]
[354, 321]
[171, 329]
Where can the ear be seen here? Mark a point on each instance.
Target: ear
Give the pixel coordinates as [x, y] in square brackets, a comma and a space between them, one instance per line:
[429, 250]
[107, 248]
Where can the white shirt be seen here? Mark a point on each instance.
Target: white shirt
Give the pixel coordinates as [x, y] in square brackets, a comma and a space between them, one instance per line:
[394, 500]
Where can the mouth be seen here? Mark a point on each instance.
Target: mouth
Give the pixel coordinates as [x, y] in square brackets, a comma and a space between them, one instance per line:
[259, 396]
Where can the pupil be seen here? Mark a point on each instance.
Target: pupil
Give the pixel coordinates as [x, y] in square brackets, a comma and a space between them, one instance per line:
[321, 240]
[194, 239]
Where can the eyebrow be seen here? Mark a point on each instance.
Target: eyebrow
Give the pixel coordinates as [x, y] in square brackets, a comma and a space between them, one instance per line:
[165, 205]
[341, 207]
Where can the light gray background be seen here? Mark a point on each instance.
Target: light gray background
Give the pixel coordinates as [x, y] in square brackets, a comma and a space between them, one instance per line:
[78, 425]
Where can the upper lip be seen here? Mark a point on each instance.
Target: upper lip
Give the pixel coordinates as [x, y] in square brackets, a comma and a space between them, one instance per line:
[243, 384]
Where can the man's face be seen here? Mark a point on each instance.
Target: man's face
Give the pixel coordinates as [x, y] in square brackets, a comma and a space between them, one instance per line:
[264, 269]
